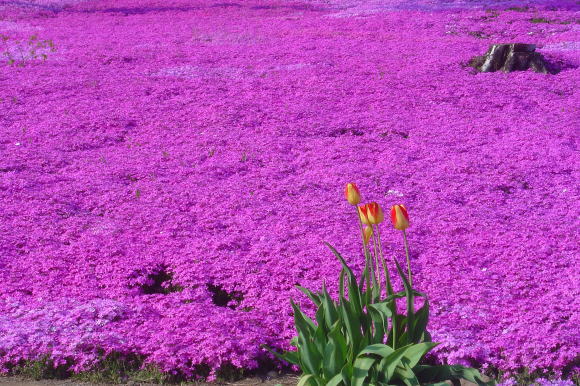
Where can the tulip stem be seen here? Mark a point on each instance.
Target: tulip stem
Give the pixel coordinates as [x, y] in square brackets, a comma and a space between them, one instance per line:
[408, 260]
[377, 274]
[389, 290]
[366, 252]
[388, 285]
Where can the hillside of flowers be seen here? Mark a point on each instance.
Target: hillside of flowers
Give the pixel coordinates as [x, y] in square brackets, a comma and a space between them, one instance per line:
[169, 170]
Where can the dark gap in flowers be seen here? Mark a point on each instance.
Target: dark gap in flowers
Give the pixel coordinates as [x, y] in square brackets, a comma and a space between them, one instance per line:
[217, 5]
[539, 20]
[519, 9]
[505, 188]
[401, 134]
[267, 368]
[126, 11]
[353, 130]
[7, 169]
[159, 281]
[222, 298]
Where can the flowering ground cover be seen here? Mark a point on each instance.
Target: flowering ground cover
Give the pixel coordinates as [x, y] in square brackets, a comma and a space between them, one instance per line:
[169, 170]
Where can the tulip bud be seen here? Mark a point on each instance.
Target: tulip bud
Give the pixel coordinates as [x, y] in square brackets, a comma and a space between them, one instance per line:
[400, 217]
[363, 213]
[368, 232]
[352, 194]
[375, 213]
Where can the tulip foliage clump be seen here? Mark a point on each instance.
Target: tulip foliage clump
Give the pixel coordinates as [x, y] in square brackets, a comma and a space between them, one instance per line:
[362, 339]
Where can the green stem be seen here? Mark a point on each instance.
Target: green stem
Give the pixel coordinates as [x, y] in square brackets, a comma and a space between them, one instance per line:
[389, 290]
[367, 253]
[389, 286]
[408, 260]
[376, 274]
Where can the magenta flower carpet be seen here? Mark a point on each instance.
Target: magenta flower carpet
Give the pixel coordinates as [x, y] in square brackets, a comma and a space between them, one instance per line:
[169, 171]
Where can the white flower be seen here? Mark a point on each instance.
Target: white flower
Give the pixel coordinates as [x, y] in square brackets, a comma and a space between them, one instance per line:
[395, 192]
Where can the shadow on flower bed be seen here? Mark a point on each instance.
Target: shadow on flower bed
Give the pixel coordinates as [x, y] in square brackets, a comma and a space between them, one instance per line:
[155, 281]
[222, 298]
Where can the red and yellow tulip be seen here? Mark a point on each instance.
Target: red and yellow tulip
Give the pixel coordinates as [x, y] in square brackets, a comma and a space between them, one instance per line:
[363, 213]
[352, 194]
[399, 217]
[375, 213]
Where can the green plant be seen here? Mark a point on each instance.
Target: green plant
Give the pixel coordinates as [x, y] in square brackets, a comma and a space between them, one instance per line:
[41, 368]
[361, 339]
[118, 368]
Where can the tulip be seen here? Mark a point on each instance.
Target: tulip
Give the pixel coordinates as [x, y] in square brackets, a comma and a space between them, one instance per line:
[375, 213]
[399, 217]
[368, 232]
[364, 214]
[352, 194]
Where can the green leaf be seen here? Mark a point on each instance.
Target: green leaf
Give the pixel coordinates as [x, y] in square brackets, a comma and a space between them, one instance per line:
[405, 374]
[288, 356]
[410, 305]
[336, 335]
[330, 313]
[319, 316]
[380, 324]
[387, 277]
[361, 370]
[351, 321]
[411, 354]
[354, 294]
[403, 340]
[382, 308]
[330, 366]
[398, 327]
[389, 363]
[294, 341]
[361, 281]
[346, 373]
[415, 352]
[421, 320]
[291, 357]
[283, 356]
[443, 373]
[310, 357]
[307, 380]
[319, 339]
[421, 294]
[311, 295]
[376, 292]
[349, 272]
[341, 284]
[335, 381]
[335, 353]
[303, 323]
[377, 349]
[437, 384]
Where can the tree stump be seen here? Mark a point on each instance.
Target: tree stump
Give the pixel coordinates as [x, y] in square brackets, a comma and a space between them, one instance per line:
[509, 58]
